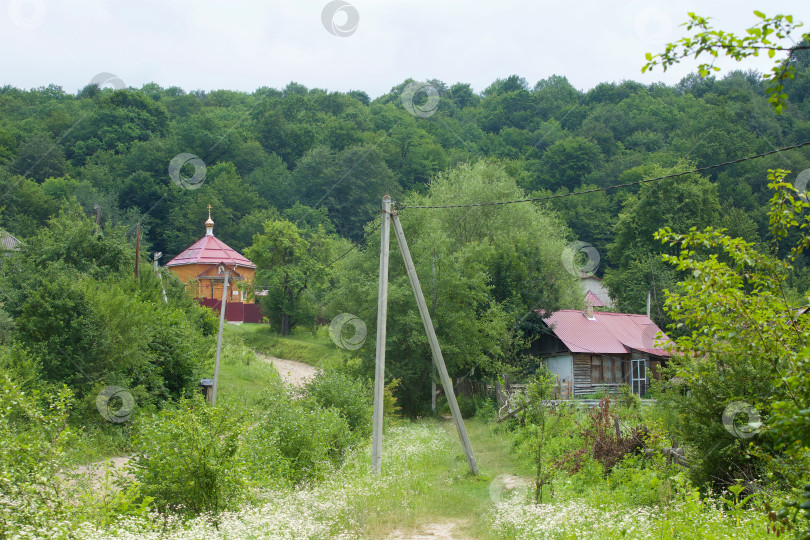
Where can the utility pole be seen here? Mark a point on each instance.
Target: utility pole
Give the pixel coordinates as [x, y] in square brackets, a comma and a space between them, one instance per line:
[157, 255]
[438, 359]
[382, 316]
[433, 314]
[219, 339]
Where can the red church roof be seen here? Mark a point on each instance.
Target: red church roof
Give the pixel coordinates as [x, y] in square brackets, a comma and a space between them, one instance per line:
[210, 250]
[606, 333]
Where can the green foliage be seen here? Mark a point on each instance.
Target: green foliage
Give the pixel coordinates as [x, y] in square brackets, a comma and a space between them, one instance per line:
[493, 267]
[627, 398]
[290, 262]
[352, 397]
[33, 436]
[191, 459]
[310, 440]
[682, 203]
[743, 341]
[89, 324]
[772, 34]
[467, 405]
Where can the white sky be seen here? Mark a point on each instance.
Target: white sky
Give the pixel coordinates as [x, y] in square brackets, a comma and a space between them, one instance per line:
[247, 44]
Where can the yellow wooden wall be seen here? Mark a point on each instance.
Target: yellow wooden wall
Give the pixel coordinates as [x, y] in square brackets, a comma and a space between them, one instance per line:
[188, 273]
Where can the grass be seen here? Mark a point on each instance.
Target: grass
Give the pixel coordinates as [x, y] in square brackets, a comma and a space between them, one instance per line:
[303, 346]
[243, 376]
[453, 495]
[425, 482]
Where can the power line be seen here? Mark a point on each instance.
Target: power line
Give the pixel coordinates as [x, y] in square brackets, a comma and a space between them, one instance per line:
[616, 186]
[334, 261]
[558, 196]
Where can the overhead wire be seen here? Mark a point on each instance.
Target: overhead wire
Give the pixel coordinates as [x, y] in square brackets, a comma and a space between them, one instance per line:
[334, 261]
[549, 197]
[615, 186]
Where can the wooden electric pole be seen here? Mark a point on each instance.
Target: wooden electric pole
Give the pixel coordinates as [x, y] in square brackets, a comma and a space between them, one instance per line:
[219, 339]
[438, 359]
[382, 315]
[433, 314]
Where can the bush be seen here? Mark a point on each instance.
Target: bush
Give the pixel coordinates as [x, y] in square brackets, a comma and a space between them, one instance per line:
[352, 397]
[190, 459]
[33, 435]
[600, 435]
[486, 409]
[310, 440]
[627, 398]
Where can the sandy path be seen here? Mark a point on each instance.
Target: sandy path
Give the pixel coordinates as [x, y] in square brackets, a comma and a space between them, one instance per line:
[428, 531]
[98, 474]
[292, 372]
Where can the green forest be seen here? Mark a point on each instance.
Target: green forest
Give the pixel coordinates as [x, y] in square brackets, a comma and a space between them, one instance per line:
[293, 179]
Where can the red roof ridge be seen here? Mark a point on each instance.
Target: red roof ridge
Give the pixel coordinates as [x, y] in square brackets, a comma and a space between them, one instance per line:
[210, 250]
[607, 332]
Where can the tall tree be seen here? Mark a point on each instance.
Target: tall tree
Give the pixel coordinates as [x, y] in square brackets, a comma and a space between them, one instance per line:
[289, 263]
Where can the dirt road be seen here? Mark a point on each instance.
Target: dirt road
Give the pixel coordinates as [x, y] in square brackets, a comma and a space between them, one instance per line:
[293, 373]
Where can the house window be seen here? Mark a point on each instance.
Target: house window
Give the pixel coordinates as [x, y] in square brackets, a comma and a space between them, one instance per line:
[606, 369]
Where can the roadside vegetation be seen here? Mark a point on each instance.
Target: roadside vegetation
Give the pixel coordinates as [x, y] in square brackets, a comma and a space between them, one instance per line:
[98, 363]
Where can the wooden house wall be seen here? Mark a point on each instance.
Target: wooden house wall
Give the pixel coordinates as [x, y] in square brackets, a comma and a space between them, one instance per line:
[187, 273]
[583, 384]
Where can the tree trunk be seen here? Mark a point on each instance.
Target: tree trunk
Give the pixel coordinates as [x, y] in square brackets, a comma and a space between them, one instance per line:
[285, 324]
[285, 317]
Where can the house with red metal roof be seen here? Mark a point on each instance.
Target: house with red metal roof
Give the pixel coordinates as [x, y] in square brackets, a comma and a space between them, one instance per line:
[591, 350]
[202, 267]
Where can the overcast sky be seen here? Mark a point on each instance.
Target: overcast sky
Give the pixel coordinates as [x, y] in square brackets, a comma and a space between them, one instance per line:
[369, 45]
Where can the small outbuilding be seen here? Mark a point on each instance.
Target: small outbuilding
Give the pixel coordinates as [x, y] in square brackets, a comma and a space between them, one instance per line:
[590, 351]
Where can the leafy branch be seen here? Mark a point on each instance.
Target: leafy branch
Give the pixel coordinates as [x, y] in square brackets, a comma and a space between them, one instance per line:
[769, 34]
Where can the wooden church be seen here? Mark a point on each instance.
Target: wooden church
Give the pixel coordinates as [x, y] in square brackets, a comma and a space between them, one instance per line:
[202, 267]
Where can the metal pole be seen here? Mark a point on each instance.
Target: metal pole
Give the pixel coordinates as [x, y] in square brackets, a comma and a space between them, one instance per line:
[648, 304]
[434, 345]
[382, 314]
[219, 338]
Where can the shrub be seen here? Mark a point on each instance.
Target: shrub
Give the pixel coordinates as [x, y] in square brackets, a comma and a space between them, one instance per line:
[352, 397]
[627, 398]
[311, 440]
[33, 435]
[486, 409]
[600, 435]
[189, 458]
